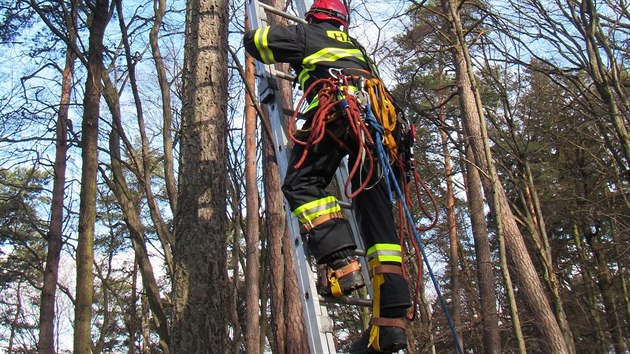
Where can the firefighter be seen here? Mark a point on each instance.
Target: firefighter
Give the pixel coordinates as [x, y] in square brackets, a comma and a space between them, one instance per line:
[318, 50]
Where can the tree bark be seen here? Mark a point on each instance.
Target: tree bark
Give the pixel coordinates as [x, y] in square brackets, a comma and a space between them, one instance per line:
[541, 243]
[233, 298]
[295, 332]
[131, 215]
[286, 306]
[167, 116]
[252, 268]
[55, 235]
[456, 302]
[532, 289]
[144, 166]
[287, 319]
[593, 302]
[146, 326]
[604, 282]
[275, 231]
[89, 154]
[485, 274]
[200, 303]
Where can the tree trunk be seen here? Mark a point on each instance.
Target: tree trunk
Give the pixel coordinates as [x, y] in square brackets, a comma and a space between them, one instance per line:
[89, 154]
[593, 302]
[15, 319]
[131, 215]
[539, 235]
[296, 336]
[485, 274]
[287, 318]
[604, 282]
[252, 268]
[528, 280]
[167, 116]
[132, 326]
[275, 231]
[200, 303]
[146, 326]
[452, 231]
[233, 298]
[55, 235]
[286, 305]
[144, 165]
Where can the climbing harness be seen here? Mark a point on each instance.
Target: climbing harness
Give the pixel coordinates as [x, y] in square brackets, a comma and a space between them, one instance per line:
[336, 101]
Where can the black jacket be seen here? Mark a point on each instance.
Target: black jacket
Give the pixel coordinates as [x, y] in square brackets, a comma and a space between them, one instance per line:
[310, 49]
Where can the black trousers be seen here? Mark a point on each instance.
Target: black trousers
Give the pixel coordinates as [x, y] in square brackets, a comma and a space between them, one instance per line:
[373, 209]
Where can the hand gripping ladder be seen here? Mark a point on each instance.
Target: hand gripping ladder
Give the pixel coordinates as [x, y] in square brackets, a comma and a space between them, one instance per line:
[317, 323]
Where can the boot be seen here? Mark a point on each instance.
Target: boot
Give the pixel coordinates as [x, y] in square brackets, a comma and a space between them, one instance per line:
[344, 278]
[390, 338]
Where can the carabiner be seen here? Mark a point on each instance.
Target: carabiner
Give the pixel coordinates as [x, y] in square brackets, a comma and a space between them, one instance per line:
[331, 71]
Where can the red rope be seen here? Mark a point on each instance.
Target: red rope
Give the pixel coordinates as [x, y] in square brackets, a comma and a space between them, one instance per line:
[418, 185]
[328, 102]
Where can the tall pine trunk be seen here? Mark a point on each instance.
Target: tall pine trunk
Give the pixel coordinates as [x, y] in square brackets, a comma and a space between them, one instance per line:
[131, 214]
[252, 267]
[524, 270]
[605, 285]
[543, 249]
[485, 273]
[55, 239]
[456, 302]
[89, 158]
[200, 307]
[287, 319]
[167, 116]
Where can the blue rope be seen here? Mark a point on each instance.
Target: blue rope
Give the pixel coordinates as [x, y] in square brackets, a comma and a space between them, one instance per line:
[388, 171]
[383, 158]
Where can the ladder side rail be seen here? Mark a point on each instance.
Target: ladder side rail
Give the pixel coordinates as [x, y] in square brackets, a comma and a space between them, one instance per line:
[257, 19]
[278, 12]
[318, 325]
[342, 176]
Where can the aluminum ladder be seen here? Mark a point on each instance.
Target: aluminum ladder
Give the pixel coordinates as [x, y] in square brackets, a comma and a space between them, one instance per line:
[318, 325]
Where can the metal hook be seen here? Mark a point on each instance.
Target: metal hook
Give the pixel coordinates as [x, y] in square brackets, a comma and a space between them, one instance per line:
[332, 74]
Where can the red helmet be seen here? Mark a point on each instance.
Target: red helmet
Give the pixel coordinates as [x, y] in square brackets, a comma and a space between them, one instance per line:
[329, 10]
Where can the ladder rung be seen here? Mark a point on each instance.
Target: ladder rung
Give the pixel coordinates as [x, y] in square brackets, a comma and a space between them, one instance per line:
[345, 205]
[278, 12]
[346, 300]
[284, 75]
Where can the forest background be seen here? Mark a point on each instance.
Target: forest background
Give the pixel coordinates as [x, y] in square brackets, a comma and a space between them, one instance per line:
[140, 205]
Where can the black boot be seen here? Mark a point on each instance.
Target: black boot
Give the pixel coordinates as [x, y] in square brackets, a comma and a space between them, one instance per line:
[391, 338]
[344, 278]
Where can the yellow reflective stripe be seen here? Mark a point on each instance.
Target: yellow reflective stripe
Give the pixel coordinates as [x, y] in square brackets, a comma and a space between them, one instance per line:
[313, 104]
[305, 218]
[260, 40]
[385, 252]
[303, 76]
[312, 210]
[331, 54]
[314, 203]
[325, 55]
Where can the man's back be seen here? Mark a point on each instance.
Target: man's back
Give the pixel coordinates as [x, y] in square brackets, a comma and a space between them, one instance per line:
[311, 49]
